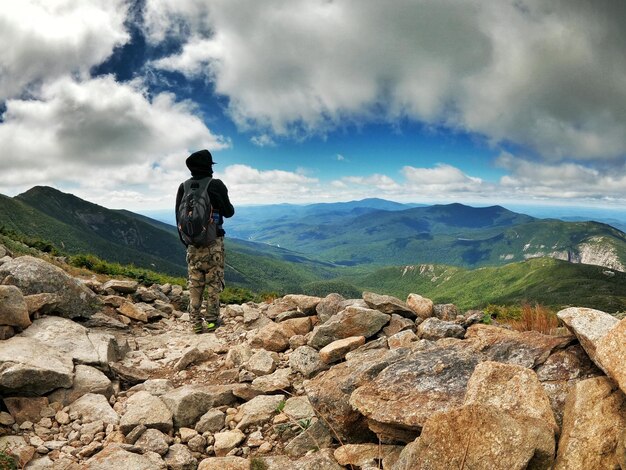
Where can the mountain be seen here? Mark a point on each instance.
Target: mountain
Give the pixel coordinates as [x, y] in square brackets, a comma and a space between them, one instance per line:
[452, 234]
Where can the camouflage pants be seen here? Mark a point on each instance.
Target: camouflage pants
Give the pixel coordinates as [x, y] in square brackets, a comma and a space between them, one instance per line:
[206, 270]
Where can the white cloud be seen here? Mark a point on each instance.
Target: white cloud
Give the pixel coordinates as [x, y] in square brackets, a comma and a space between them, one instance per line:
[443, 179]
[548, 76]
[99, 135]
[375, 181]
[47, 39]
[263, 140]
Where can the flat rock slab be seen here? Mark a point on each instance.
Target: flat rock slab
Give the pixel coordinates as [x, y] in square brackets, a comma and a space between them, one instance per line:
[28, 366]
[143, 408]
[611, 353]
[353, 321]
[36, 276]
[189, 402]
[388, 304]
[93, 407]
[114, 457]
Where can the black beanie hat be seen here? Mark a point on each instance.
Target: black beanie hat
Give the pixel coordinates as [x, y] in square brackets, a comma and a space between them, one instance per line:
[200, 162]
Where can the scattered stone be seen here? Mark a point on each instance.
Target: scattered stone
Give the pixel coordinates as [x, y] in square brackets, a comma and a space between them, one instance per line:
[337, 350]
[225, 463]
[314, 436]
[115, 457]
[25, 408]
[153, 440]
[212, 421]
[19, 448]
[307, 361]
[275, 336]
[121, 286]
[361, 454]
[403, 339]
[130, 310]
[387, 304]
[421, 306]
[279, 380]
[353, 321]
[92, 407]
[189, 402]
[227, 441]
[13, 308]
[433, 329]
[329, 306]
[258, 411]
[398, 324]
[594, 418]
[146, 409]
[262, 362]
[445, 312]
[87, 379]
[192, 356]
[179, 457]
[611, 353]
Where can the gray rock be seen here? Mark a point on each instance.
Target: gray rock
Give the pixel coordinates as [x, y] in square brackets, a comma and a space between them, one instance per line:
[28, 366]
[211, 421]
[398, 324]
[121, 286]
[93, 407]
[6, 332]
[156, 387]
[87, 379]
[322, 460]
[304, 303]
[262, 362]
[258, 411]
[135, 434]
[307, 361]
[180, 457]
[35, 276]
[329, 306]
[115, 457]
[433, 329]
[299, 408]
[387, 304]
[337, 350]
[13, 308]
[445, 311]
[143, 408]
[227, 463]
[279, 380]
[227, 441]
[275, 336]
[353, 321]
[44, 303]
[422, 306]
[189, 402]
[74, 340]
[153, 440]
[314, 436]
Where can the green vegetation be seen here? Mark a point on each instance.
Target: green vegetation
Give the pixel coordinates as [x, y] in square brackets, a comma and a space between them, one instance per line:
[258, 464]
[7, 460]
[281, 406]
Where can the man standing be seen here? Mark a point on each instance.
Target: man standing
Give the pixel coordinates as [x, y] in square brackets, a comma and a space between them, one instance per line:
[205, 261]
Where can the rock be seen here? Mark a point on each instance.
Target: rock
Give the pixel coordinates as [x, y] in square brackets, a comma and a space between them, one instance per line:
[433, 378]
[104, 320]
[353, 321]
[398, 324]
[43, 303]
[433, 329]
[191, 356]
[131, 375]
[189, 402]
[135, 434]
[35, 276]
[407, 456]
[25, 408]
[92, 407]
[279, 380]
[156, 387]
[456, 439]
[445, 311]
[322, 460]
[387, 304]
[227, 441]
[121, 286]
[262, 362]
[6, 419]
[620, 452]
[280, 306]
[362, 454]
[329, 306]
[421, 306]
[211, 421]
[304, 303]
[130, 310]
[299, 408]
[115, 457]
[560, 373]
[403, 339]
[314, 436]
[611, 353]
[510, 388]
[13, 308]
[337, 350]
[330, 391]
[87, 379]
[306, 361]
[153, 440]
[143, 408]
[74, 340]
[238, 355]
[275, 336]
[258, 411]
[28, 366]
[19, 448]
[186, 434]
[589, 326]
[225, 463]
[6, 332]
[594, 418]
[179, 457]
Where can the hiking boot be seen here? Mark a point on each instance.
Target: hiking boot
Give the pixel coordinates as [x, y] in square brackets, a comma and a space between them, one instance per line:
[198, 327]
[212, 325]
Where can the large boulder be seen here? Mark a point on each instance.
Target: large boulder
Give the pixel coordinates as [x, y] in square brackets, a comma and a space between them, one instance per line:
[74, 340]
[611, 353]
[93, 407]
[329, 306]
[483, 436]
[143, 408]
[387, 304]
[30, 367]
[13, 308]
[594, 418]
[189, 402]
[114, 456]
[275, 336]
[87, 379]
[35, 276]
[353, 321]
[433, 378]
[433, 329]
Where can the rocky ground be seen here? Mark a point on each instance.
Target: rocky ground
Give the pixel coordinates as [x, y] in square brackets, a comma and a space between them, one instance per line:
[104, 375]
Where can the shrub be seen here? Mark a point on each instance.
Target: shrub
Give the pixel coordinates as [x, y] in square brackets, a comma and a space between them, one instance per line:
[236, 295]
[7, 460]
[536, 318]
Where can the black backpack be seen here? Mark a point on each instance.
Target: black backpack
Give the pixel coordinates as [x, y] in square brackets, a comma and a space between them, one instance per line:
[195, 214]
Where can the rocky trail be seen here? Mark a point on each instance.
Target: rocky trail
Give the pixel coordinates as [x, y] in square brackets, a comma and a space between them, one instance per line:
[107, 375]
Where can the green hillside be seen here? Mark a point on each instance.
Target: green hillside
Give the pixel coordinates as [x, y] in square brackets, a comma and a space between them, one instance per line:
[547, 281]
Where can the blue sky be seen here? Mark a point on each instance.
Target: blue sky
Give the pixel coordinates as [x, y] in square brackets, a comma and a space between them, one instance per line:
[509, 102]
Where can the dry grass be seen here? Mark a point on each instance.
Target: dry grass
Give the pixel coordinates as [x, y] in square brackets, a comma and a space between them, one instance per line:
[536, 318]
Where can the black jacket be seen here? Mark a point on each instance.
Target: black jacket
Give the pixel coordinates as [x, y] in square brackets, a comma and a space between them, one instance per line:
[218, 193]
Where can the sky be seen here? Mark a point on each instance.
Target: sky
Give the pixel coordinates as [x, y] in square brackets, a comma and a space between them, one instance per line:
[475, 101]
